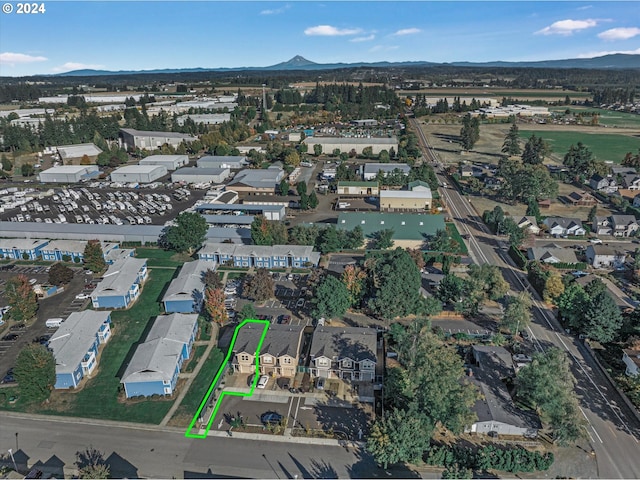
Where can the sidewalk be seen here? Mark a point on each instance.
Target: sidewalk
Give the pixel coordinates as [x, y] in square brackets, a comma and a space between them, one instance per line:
[286, 438]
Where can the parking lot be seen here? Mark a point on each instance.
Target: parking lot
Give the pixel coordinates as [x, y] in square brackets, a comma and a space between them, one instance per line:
[103, 204]
[60, 305]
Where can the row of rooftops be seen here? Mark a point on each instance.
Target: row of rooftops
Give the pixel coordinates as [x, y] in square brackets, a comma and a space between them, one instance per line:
[189, 280]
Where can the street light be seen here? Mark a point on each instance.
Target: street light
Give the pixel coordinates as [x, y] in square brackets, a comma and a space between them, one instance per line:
[15, 467]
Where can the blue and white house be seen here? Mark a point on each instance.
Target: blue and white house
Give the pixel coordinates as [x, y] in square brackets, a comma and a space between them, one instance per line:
[17, 248]
[75, 346]
[121, 284]
[185, 293]
[59, 250]
[276, 256]
[155, 365]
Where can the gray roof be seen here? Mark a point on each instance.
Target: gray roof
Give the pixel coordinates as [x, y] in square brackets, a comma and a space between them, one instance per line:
[177, 327]
[223, 207]
[337, 343]
[76, 246]
[259, 178]
[562, 221]
[141, 168]
[353, 140]
[19, 243]
[495, 363]
[222, 160]
[424, 194]
[74, 338]
[259, 250]
[153, 361]
[623, 220]
[386, 167]
[189, 283]
[280, 339]
[229, 219]
[119, 277]
[543, 254]
[116, 253]
[78, 151]
[71, 169]
[604, 250]
[201, 171]
[146, 133]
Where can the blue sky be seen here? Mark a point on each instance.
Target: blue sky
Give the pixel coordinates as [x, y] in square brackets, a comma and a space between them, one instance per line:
[123, 35]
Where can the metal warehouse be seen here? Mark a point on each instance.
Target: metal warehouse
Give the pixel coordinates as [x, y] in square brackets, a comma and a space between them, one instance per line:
[200, 175]
[170, 162]
[358, 144]
[223, 161]
[69, 173]
[138, 173]
[133, 139]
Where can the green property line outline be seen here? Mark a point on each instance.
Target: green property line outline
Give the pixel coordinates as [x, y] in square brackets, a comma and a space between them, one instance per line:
[196, 417]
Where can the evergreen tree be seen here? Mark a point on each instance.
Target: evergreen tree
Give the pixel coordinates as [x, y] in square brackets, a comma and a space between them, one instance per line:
[511, 145]
[94, 256]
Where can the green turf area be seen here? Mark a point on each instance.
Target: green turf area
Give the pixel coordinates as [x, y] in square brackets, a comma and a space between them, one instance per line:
[455, 235]
[200, 385]
[607, 117]
[607, 147]
[99, 396]
[162, 258]
[197, 353]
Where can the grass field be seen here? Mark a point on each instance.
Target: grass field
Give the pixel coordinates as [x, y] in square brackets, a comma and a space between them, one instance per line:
[195, 358]
[608, 147]
[607, 117]
[191, 401]
[98, 398]
[162, 258]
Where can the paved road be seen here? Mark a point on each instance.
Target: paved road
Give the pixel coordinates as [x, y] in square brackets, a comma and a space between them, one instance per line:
[612, 428]
[150, 452]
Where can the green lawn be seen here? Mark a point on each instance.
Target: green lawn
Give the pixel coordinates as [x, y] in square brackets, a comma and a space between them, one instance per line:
[199, 387]
[455, 235]
[99, 396]
[607, 117]
[162, 258]
[197, 353]
[608, 147]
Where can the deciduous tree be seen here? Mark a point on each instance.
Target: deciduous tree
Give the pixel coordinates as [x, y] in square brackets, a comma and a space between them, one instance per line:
[214, 305]
[94, 256]
[60, 274]
[21, 298]
[91, 464]
[35, 372]
[259, 287]
[517, 313]
[353, 278]
[212, 279]
[187, 233]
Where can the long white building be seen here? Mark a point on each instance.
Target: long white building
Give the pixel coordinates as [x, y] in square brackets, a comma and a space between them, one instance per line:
[138, 173]
[347, 144]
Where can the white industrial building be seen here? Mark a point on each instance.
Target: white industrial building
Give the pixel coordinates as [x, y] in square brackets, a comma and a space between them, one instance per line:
[370, 170]
[200, 175]
[223, 161]
[170, 162]
[68, 173]
[138, 173]
[347, 144]
[73, 154]
[205, 118]
[149, 140]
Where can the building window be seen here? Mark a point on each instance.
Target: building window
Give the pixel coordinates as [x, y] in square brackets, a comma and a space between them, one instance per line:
[244, 357]
[267, 359]
[286, 360]
[323, 362]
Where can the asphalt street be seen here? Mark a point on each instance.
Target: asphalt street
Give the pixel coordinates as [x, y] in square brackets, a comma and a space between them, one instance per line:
[613, 430]
[134, 451]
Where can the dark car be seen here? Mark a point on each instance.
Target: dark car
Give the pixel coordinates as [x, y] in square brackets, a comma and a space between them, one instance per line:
[284, 319]
[42, 339]
[11, 337]
[525, 335]
[18, 327]
[8, 378]
[271, 418]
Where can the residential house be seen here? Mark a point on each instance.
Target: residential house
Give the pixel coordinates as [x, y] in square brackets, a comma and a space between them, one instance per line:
[621, 170]
[344, 352]
[623, 225]
[602, 225]
[527, 223]
[552, 253]
[581, 199]
[606, 184]
[621, 299]
[275, 256]
[496, 411]
[602, 256]
[492, 183]
[631, 181]
[185, 293]
[279, 352]
[559, 226]
[631, 359]
[71, 250]
[121, 284]
[21, 248]
[75, 346]
[466, 171]
[156, 363]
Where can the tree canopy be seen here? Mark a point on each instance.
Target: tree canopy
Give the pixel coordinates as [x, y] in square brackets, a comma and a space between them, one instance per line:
[187, 234]
[21, 298]
[94, 256]
[35, 372]
[331, 298]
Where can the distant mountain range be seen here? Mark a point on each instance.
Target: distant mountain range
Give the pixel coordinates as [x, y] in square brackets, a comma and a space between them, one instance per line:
[615, 61]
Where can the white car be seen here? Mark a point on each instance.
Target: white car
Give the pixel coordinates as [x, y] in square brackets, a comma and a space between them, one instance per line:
[262, 383]
[597, 241]
[82, 296]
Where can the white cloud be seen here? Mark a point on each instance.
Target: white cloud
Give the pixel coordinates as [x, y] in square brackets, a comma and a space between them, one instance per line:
[275, 11]
[330, 31]
[69, 66]
[12, 59]
[407, 31]
[612, 52]
[383, 48]
[368, 38]
[619, 33]
[585, 7]
[567, 27]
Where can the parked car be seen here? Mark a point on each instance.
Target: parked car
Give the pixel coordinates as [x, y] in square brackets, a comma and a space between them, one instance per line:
[300, 303]
[271, 418]
[82, 296]
[8, 378]
[284, 319]
[18, 327]
[520, 358]
[596, 241]
[264, 380]
[10, 337]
